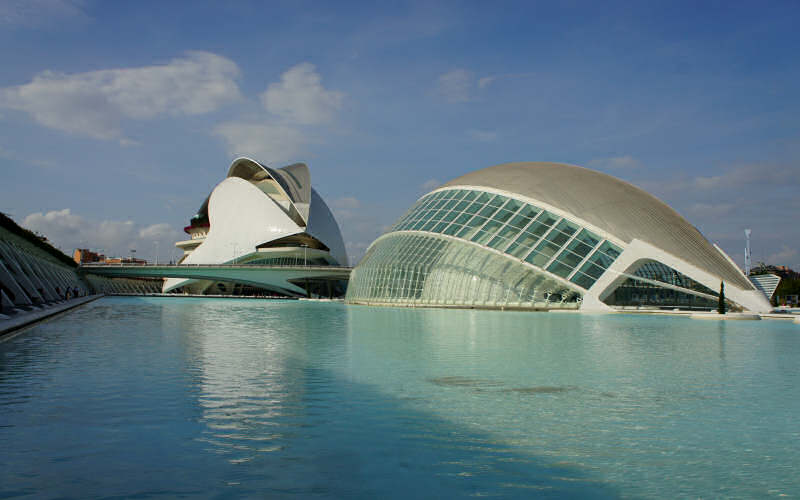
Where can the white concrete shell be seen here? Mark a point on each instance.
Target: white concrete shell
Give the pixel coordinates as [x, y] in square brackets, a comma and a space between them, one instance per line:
[255, 206]
[642, 229]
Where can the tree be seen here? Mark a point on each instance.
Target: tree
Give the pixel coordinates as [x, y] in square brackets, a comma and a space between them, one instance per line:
[721, 303]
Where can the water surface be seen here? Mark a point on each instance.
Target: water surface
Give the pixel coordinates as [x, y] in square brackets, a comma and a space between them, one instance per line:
[170, 397]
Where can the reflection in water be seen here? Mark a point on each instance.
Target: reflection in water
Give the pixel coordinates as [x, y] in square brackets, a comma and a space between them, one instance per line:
[185, 397]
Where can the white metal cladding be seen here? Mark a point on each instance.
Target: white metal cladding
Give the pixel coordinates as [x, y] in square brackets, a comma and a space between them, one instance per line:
[616, 207]
[766, 283]
[521, 230]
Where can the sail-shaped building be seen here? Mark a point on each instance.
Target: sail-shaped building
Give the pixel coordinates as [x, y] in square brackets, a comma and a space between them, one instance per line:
[260, 215]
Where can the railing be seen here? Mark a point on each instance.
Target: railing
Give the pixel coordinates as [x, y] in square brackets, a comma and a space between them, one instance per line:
[181, 266]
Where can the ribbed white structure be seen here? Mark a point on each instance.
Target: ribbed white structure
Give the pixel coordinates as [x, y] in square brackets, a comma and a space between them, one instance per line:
[546, 235]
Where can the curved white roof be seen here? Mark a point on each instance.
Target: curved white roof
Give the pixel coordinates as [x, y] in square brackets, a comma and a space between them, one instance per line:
[610, 204]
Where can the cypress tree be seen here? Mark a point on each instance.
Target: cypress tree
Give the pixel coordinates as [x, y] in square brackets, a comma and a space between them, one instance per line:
[721, 303]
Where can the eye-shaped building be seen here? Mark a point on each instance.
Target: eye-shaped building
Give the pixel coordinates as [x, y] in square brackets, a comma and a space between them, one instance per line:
[540, 235]
[260, 215]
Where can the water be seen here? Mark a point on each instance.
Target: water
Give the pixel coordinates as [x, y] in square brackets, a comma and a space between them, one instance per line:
[131, 397]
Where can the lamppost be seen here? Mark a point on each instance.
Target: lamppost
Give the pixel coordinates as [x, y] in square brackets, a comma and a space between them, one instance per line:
[234, 252]
[156, 252]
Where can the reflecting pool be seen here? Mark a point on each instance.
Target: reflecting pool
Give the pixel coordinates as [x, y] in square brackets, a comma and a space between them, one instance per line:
[166, 397]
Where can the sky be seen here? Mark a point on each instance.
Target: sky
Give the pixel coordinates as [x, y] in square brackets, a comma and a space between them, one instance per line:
[118, 118]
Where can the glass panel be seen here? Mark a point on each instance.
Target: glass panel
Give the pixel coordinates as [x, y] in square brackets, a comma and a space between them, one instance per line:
[449, 216]
[503, 237]
[471, 195]
[560, 269]
[502, 215]
[461, 205]
[487, 232]
[450, 204]
[498, 201]
[487, 211]
[473, 208]
[542, 254]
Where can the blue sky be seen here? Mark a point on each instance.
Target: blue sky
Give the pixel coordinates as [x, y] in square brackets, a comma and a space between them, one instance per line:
[117, 118]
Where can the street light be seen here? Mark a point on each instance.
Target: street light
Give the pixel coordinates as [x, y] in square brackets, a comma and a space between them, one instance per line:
[305, 260]
[156, 252]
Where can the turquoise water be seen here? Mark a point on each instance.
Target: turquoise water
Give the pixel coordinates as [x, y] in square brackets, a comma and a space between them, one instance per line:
[169, 397]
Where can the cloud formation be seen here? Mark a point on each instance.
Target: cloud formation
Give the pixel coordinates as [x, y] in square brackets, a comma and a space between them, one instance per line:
[360, 225]
[482, 135]
[34, 13]
[69, 231]
[300, 97]
[615, 162]
[456, 85]
[295, 103]
[263, 142]
[95, 103]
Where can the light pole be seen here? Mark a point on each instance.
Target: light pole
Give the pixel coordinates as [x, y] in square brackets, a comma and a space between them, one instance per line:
[234, 252]
[156, 252]
[305, 259]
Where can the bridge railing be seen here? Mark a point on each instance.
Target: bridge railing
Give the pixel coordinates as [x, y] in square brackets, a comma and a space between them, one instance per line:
[181, 266]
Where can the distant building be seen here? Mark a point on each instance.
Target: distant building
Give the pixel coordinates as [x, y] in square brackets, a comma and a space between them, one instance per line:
[539, 235]
[86, 256]
[124, 260]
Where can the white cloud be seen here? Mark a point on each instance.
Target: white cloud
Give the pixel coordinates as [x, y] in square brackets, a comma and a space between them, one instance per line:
[94, 103]
[486, 81]
[33, 13]
[616, 162]
[300, 97]
[711, 209]
[784, 256]
[483, 135]
[360, 225]
[456, 85]
[430, 184]
[69, 231]
[269, 143]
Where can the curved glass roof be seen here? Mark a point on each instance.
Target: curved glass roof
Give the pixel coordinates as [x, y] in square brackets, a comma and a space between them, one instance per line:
[518, 229]
[614, 206]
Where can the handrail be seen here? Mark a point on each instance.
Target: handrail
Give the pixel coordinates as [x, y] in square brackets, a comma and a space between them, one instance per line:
[180, 266]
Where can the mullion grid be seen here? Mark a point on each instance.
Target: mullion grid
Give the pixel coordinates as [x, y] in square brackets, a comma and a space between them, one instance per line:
[509, 239]
[468, 225]
[541, 239]
[432, 211]
[564, 249]
[538, 220]
[473, 201]
[546, 240]
[483, 236]
[585, 258]
[589, 262]
[488, 220]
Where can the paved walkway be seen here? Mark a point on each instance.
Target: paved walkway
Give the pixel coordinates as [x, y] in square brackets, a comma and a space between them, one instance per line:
[26, 318]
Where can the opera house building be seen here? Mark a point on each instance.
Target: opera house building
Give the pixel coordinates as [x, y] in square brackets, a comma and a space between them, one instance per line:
[265, 216]
[541, 236]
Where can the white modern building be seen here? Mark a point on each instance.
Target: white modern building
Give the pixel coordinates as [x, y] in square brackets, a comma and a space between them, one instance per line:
[540, 235]
[260, 215]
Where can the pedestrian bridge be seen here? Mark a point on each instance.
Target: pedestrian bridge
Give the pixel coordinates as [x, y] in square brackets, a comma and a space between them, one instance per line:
[279, 278]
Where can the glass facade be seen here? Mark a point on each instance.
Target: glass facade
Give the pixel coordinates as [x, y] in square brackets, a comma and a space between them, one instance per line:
[646, 291]
[516, 228]
[419, 269]
[408, 267]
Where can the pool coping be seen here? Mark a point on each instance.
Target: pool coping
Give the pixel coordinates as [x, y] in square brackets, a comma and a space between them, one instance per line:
[23, 320]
